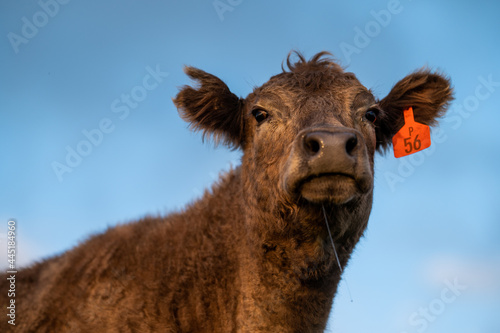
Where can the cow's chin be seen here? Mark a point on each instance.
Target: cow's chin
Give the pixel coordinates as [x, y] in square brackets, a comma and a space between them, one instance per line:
[329, 188]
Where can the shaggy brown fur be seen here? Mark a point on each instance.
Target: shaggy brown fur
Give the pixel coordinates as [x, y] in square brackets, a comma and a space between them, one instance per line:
[253, 255]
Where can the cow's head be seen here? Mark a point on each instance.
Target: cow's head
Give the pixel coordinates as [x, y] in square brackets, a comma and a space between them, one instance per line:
[310, 133]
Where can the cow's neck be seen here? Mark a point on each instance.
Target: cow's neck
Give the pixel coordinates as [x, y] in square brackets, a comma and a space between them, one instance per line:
[300, 241]
[291, 267]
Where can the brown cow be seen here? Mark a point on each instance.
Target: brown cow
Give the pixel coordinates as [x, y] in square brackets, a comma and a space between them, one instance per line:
[254, 254]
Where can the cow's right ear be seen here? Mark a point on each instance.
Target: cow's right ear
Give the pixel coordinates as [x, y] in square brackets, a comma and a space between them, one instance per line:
[212, 108]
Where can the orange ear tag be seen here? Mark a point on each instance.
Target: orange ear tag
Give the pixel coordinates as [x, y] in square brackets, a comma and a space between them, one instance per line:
[412, 137]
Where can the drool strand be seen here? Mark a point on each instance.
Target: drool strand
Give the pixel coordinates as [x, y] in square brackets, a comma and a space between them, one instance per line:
[335, 251]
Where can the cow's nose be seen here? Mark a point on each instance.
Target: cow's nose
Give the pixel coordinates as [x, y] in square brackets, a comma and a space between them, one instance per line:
[336, 145]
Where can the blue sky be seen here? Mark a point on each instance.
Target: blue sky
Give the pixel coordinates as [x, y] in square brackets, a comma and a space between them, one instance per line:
[436, 219]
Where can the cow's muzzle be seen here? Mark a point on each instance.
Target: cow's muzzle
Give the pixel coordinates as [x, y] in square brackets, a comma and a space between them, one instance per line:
[328, 164]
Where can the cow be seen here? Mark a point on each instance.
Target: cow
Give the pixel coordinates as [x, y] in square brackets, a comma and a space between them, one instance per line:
[263, 250]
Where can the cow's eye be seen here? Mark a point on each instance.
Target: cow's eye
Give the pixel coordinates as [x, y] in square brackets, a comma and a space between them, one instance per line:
[371, 115]
[260, 115]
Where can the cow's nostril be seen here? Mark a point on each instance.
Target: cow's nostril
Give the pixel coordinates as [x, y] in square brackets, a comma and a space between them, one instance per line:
[312, 144]
[351, 144]
[333, 143]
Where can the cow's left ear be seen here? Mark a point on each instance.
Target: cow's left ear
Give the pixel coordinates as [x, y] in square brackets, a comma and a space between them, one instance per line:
[212, 108]
[428, 93]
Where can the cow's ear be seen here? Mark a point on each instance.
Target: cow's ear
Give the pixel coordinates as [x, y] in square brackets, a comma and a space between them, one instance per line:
[428, 93]
[212, 108]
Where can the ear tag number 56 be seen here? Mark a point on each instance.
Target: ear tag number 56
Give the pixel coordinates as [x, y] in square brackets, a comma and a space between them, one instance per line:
[412, 137]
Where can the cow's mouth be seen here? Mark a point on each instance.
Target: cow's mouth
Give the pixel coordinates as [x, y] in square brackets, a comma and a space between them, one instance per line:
[338, 188]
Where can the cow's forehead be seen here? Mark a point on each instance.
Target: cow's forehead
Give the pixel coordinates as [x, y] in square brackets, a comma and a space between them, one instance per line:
[286, 92]
[314, 79]
[327, 80]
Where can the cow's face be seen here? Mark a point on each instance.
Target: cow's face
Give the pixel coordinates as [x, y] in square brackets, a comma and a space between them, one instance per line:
[309, 134]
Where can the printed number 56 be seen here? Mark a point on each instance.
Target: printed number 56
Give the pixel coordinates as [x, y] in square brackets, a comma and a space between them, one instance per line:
[412, 146]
